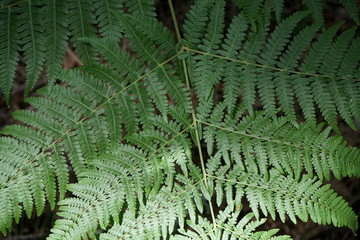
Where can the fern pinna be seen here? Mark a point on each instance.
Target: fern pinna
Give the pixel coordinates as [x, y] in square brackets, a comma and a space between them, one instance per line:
[167, 140]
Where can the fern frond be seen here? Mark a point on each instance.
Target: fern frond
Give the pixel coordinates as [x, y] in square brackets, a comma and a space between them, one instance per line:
[66, 130]
[128, 110]
[297, 198]
[298, 46]
[141, 7]
[336, 52]
[353, 9]
[45, 29]
[213, 31]
[158, 132]
[314, 156]
[272, 50]
[256, 39]
[30, 185]
[81, 20]
[279, 76]
[8, 50]
[324, 100]
[31, 32]
[316, 8]
[127, 168]
[233, 80]
[319, 50]
[196, 21]
[156, 31]
[228, 227]
[157, 93]
[208, 68]
[350, 60]
[109, 27]
[57, 161]
[81, 120]
[106, 74]
[144, 106]
[251, 9]
[143, 44]
[56, 33]
[278, 6]
[121, 61]
[155, 220]
[353, 98]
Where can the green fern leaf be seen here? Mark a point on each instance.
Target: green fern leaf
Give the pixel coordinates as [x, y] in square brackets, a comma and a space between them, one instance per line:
[126, 66]
[351, 58]
[352, 8]
[80, 25]
[278, 7]
[336, 53]
[251, 9]
[316, 8]
[196, 21]
[8, 50]
[235, 35]
[319, 50]
[108, 26]
[213, 31]
[228, 228]
[157, 93]
[142, 7]
[56, 33]
[157, 32]
[30, 30]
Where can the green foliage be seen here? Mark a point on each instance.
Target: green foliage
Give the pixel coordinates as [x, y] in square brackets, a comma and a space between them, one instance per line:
[165, 139]
[40, 30]
[251, 8]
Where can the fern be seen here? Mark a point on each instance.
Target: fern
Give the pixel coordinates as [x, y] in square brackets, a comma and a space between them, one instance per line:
[164, 139]
[9, 50]
[40, 30]
[56, 36]
[252, 8]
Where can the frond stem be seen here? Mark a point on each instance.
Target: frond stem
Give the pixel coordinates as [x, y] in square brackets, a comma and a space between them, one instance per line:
[177, 31]
[272, 190]
[187, 81]
[197, 139]
[265, 66]
[265, 138]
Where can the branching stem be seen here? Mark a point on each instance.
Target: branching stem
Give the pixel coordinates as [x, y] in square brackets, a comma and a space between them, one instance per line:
[193, 114]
